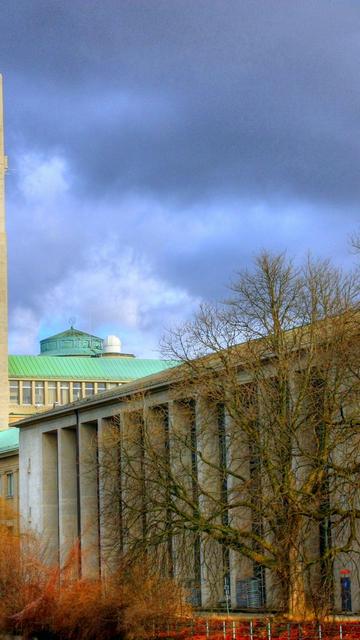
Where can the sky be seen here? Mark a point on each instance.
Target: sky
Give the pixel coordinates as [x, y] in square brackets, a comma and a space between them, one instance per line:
[156, 146]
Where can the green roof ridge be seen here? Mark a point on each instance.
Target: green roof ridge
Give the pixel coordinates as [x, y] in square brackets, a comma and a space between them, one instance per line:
[84, 368]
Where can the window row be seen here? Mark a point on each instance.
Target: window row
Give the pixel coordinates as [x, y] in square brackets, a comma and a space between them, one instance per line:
[39, 392]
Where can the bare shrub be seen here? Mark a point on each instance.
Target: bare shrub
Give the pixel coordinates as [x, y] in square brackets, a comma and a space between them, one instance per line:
[129, 604]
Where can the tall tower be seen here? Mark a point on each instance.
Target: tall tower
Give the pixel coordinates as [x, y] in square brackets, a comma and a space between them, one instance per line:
[4, 380]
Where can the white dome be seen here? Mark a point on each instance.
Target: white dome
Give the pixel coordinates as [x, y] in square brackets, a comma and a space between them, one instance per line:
[112, 344]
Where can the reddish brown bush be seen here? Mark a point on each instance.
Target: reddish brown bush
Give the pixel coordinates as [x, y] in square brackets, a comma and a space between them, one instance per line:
[37, 599]
[21, 569]
[130, 604]
[150, 601]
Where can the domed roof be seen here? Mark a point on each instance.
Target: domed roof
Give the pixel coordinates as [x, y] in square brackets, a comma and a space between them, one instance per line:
[112, 344]
[71, 342]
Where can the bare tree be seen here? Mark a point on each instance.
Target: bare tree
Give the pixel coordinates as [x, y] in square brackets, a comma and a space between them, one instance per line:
[355, 242]
[251, 458]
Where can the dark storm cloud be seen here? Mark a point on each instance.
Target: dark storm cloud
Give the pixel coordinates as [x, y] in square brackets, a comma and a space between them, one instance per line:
[195, 132]
[187, 98]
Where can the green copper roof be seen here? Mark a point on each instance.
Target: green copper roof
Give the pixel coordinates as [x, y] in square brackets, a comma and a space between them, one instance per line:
[71, 342]
[9, 439]
[78, 368]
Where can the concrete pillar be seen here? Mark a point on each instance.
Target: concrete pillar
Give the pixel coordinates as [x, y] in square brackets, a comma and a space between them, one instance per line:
[157, 464]
[68, 493]
[186, 545]
[50, 495]
[110, 513]
[89, 503]
[213, 570]
[4, 382]
[133, 507]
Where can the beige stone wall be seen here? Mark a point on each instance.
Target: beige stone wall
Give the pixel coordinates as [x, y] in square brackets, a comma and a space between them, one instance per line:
[4, 384]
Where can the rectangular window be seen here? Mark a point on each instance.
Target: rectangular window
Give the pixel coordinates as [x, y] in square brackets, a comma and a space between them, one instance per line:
[14, 392]
[101, 386]
[9, 485]
[26, 392]
[64, 392]
[39, 392]
[76, 390]
[89, 389]
[52, 392]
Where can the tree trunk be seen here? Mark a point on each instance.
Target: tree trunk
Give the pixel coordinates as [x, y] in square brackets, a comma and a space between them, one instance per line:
[297, 600]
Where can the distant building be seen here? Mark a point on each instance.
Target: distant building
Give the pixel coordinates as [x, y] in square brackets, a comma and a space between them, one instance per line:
[72, 365]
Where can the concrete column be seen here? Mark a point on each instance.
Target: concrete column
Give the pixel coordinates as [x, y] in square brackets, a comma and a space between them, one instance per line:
[50, 495]
[89, 508]
[157, 487]
[213, 569]
[46, 393]
[68, 493]
[134, 507]
[4, 381]
[186, 545]
[110, 512]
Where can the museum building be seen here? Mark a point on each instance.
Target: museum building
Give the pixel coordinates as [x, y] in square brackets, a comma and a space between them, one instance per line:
[72, 365]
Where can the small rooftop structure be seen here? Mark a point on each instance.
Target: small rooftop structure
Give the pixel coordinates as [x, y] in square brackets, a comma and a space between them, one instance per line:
[71, 342]
[112, 346]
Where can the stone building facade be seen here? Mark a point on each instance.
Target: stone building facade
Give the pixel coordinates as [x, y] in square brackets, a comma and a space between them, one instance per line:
[80, 366]
[63, 490]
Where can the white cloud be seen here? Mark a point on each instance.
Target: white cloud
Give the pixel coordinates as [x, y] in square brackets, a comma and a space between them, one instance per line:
[115, 289]
[116, 284]
[42, 179]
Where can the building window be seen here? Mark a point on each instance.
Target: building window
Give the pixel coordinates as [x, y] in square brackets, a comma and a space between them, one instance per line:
[76, 391]
[101, 386]
[39, 392]
[89, 389]
[26, 392]
[14, 392]
[9, 485]
[64, 392]
[52, 392]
